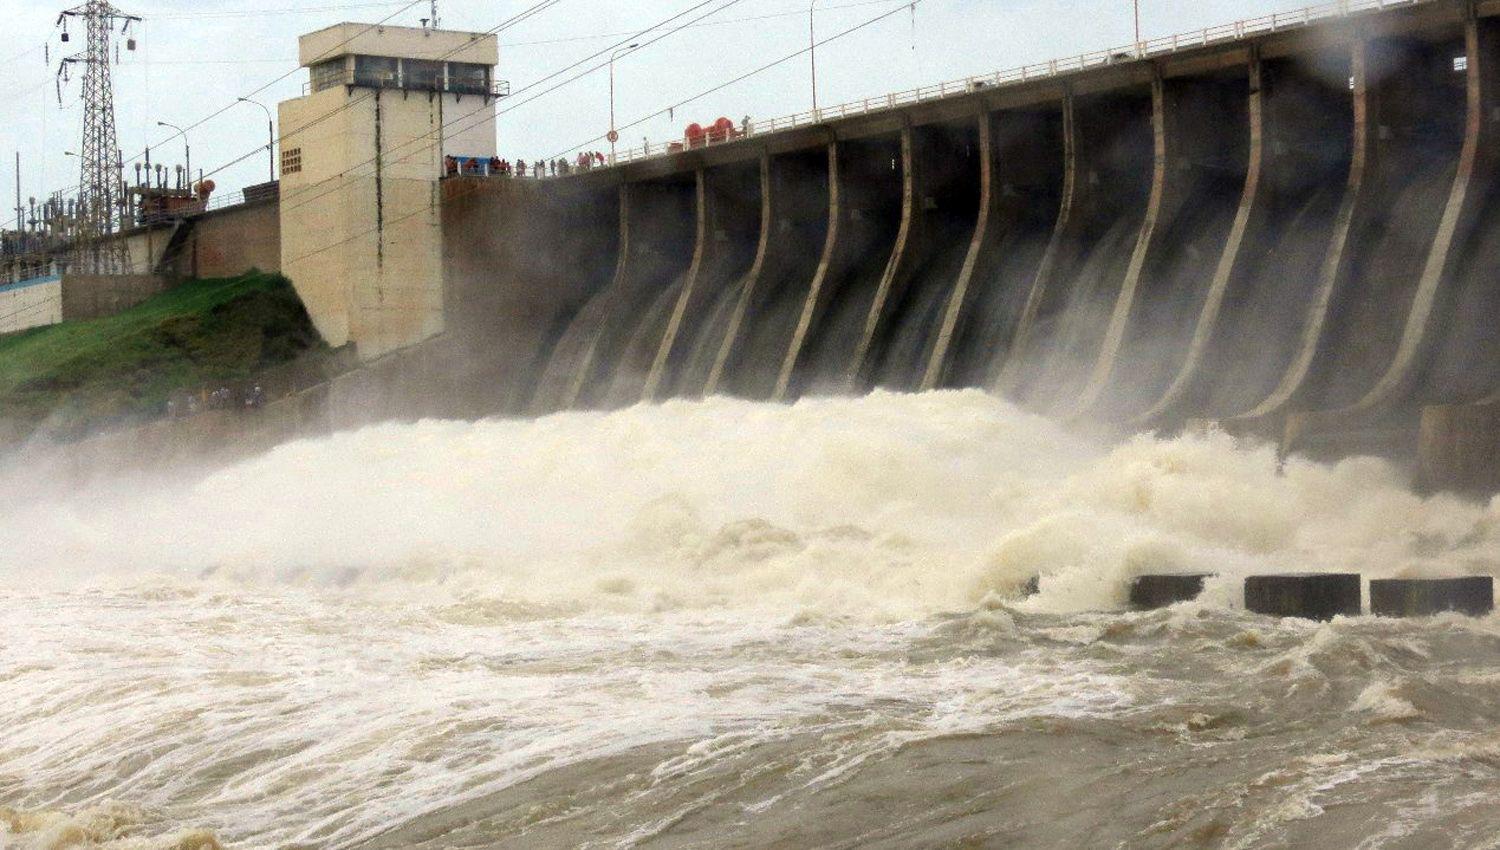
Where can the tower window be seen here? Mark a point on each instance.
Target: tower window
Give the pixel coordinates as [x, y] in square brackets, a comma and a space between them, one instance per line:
[378, 71]
[467, 78]
[422, 74]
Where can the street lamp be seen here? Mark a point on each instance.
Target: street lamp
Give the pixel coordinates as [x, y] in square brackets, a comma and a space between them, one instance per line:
[1138, 27]
[187, 152]
[270, 135]
[812, 53]
[614, 136]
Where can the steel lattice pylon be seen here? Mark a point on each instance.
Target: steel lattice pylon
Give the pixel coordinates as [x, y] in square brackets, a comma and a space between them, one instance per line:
[102, 199]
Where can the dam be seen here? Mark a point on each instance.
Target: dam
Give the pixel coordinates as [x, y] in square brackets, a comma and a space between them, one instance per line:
[1287, 227]
[1021, 461]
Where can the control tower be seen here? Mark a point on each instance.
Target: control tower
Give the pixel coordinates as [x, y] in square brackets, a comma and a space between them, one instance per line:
[361, 155]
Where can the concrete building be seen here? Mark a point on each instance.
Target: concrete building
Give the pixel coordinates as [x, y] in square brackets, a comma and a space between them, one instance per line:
[361, 155]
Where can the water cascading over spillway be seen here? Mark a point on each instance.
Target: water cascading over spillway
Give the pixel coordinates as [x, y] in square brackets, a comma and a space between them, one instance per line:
[1074, 294]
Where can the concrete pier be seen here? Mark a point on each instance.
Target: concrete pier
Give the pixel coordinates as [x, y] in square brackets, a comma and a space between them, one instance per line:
[1311, 596]
[1397, 597]
[1456, 449]
[1149, 592]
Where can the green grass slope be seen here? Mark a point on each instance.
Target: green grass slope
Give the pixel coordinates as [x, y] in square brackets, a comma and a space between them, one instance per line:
[81, 375]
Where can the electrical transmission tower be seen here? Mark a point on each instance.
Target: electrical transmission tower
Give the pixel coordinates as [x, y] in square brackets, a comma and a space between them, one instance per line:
[102, 201]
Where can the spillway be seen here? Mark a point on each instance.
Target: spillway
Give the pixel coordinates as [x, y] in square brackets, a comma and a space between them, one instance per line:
[1286, 234]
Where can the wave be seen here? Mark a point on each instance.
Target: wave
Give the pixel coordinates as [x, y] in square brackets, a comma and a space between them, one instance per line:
[886, 506]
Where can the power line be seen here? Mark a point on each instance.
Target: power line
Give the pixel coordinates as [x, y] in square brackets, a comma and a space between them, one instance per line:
[256, 13]
[519, 17]
[905, 4]
[464, 191]
[27, 52]
[231, 104]
[750, 19]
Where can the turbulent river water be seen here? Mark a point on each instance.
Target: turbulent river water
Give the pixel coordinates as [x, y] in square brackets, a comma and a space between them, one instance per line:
[729, 624]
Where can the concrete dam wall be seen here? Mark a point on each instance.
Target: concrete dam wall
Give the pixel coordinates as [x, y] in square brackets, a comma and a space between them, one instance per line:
[1295, 235]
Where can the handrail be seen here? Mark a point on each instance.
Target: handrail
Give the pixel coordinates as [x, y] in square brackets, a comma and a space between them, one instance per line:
[1145, 49]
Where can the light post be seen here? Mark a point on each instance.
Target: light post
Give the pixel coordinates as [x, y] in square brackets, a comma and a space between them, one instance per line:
[187, 152]
[1138, 27]
[270, 136]
[614, 136]
[812, 53]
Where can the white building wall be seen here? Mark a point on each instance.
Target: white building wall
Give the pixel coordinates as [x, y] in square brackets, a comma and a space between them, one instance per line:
[30, 304]
[361, 229]
[468, 126]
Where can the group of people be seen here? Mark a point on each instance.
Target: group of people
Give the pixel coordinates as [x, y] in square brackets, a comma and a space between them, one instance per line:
[223, 398]
[453, 166]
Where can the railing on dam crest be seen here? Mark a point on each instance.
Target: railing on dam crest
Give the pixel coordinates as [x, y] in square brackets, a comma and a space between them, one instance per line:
[1162, 46]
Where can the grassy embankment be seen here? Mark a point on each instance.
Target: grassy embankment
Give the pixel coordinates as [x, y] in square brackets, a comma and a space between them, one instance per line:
[78, 376]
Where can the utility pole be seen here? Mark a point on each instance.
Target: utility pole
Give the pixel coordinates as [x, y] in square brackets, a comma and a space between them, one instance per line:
[812, 53]
[434, 15]
[20, 210]
[101, 187]
[1137, 26]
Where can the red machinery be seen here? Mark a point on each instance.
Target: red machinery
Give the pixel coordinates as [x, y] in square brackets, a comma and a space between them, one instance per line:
[697, 136]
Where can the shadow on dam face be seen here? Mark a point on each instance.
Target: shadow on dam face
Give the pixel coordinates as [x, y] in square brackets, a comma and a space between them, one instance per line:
[512, 303]
[661, 236]
[1072, 301]
[1465, 364]
[656, 227]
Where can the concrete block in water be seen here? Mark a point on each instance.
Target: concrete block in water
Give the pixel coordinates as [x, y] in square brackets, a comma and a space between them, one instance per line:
[1314, 596]
[1160, 590]
[1402, 597]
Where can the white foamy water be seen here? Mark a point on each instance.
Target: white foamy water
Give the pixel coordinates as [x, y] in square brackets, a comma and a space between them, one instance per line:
[729, 623]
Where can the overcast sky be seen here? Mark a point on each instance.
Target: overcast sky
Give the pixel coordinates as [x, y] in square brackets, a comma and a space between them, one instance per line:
[196, 56]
